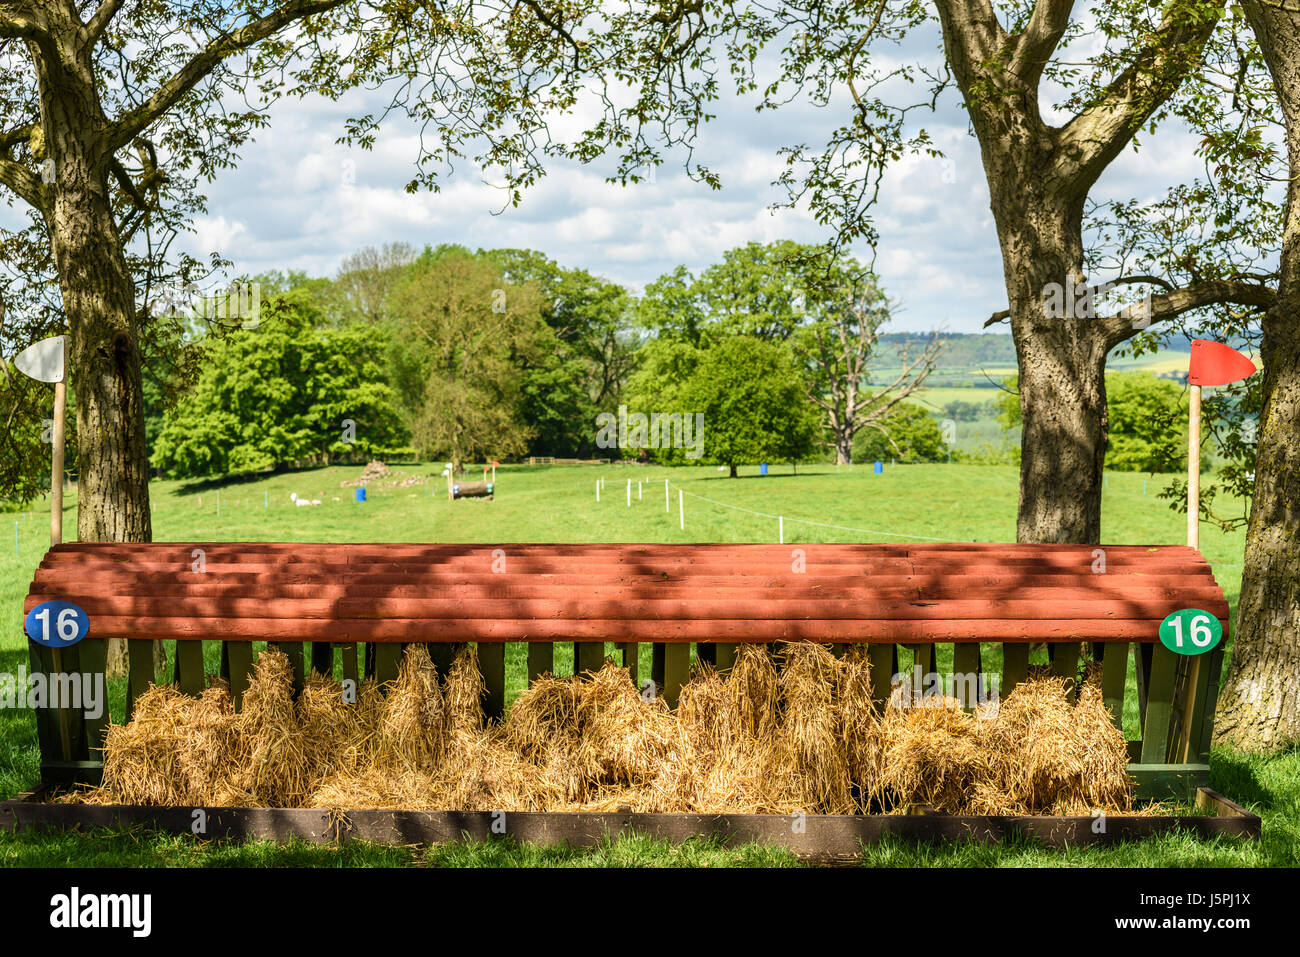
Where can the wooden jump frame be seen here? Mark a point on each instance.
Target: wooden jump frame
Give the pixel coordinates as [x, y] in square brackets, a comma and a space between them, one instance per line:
[315, 601]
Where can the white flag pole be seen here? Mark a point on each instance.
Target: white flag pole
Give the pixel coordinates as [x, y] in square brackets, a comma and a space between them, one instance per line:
[56, 462]
[1194, 467]
[1189, 670]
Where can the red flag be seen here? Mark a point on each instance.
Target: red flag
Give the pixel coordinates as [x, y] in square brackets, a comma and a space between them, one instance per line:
[1213, 363]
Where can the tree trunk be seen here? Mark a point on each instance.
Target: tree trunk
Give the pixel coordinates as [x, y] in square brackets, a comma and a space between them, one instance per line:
[1061, 356]
[843, 447]
[733, 472]
[98, 299]
[1259, 704]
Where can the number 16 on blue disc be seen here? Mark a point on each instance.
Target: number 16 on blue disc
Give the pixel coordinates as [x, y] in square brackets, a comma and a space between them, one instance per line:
[57, 624]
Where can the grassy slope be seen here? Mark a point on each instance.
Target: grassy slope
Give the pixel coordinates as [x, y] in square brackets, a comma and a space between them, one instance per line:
[959, 503]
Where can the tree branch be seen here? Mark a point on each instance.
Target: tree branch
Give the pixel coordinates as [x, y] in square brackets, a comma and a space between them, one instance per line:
[1032, 48]
[23, 182]
[135, 121]
[124, 181]
[1121, 326]
[971, 34]
[11, 138]
[21, 20]
[100, 20]
[1088, 143]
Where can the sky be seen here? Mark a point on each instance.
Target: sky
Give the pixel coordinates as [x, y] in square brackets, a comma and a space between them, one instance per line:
[298, 201]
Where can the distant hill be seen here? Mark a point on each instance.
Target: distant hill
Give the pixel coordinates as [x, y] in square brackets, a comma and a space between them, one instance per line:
[973, 359]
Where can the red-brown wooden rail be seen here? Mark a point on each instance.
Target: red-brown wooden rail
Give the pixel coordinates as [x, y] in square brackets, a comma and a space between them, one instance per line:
[626, 592]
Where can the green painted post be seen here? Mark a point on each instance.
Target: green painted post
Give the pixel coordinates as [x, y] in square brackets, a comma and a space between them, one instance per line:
[1160, 704]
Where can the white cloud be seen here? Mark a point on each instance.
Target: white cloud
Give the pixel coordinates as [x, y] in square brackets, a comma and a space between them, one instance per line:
[290, 204]
[217, 233]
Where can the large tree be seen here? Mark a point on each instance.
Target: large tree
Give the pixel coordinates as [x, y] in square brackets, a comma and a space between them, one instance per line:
[836, 340]
[751, 396]
[1236, 223]
[1039, 177]
[1259, 707]
[462, 335]
[592, 357]
[827, 307]
[289, 391]
[108, 105]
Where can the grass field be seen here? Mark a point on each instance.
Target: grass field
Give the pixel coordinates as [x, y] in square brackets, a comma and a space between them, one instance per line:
[818, 503]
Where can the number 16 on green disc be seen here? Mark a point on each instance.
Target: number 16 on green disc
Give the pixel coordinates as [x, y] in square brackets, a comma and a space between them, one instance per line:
[1190, 631]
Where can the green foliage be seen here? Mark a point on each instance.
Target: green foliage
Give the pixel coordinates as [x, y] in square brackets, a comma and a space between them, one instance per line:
[826, 306]
[460, 336]
[1148, 430]
[672, 307]
[754, 400]
[283, 392]
[765, 289]
[988, 453]
[907, 434]
[25, 442]
[961, 411]
[1007, 403]
[585, 365]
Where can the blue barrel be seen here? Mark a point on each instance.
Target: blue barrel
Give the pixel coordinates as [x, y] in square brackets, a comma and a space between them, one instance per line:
[762, 469]
[361, 493]
[878, 468]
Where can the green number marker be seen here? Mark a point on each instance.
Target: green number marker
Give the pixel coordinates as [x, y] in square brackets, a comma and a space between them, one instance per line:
[1190, 632]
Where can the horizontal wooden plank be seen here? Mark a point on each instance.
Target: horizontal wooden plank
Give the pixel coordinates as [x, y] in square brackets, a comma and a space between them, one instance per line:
[822, 630]
[715, 565]
[627, 589]
[347, 592]
[921, 585]
[653, 548]
[691, 606]
[742, 557]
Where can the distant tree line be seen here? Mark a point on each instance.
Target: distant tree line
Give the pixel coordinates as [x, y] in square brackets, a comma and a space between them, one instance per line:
[498, 354]
[448, 353]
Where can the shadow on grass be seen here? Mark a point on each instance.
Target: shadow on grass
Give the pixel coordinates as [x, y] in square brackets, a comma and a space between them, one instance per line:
[216, 482]
[1237, 776]
[141, 848]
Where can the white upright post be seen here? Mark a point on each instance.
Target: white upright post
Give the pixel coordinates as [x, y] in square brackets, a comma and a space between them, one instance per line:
[597, 490]
[1194, 467]
[780, 529]
[1189, 668]
[56, 462]
[667, 506]
[629, 493]
[681, 510]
